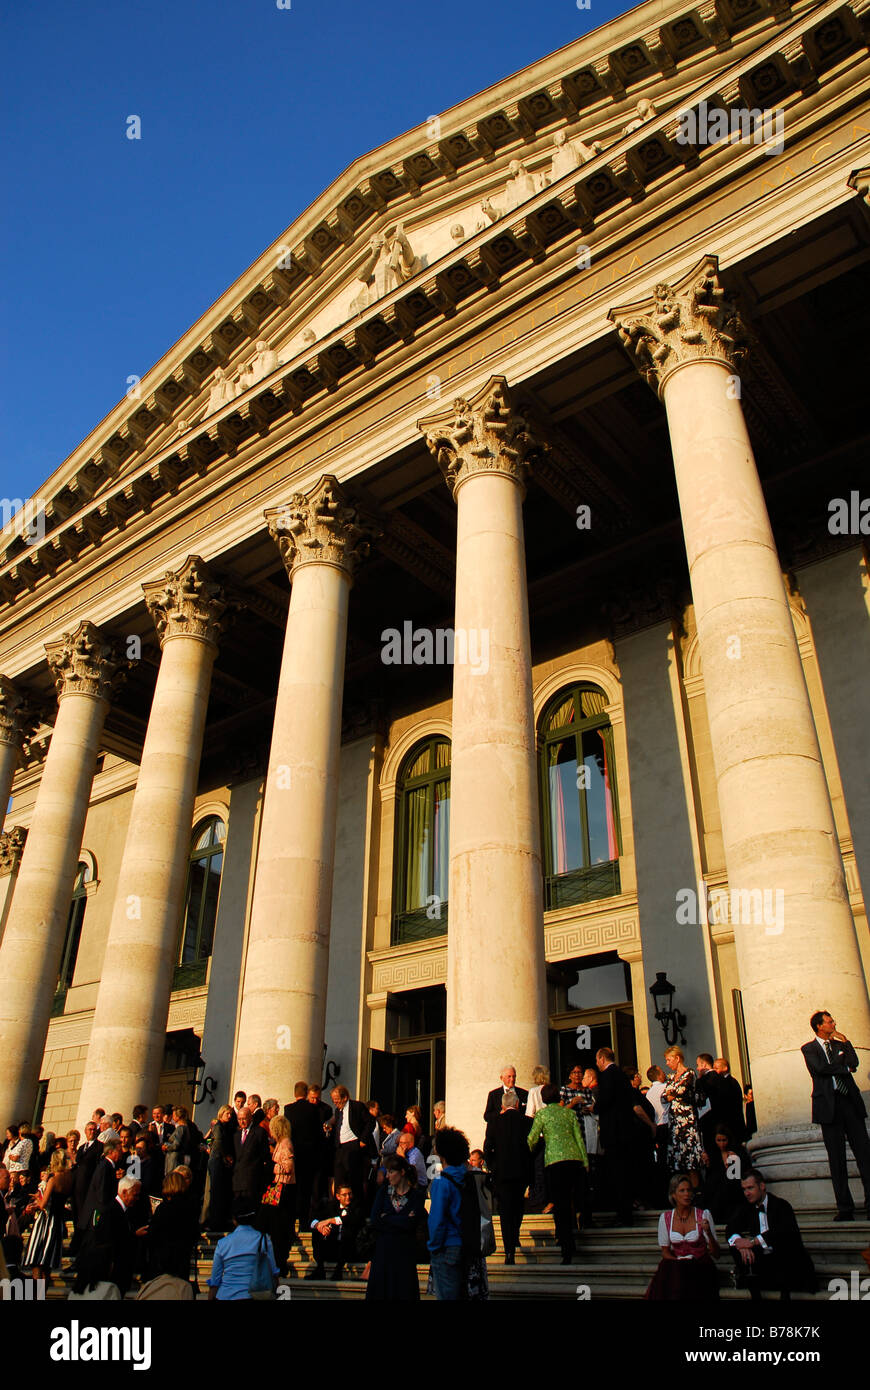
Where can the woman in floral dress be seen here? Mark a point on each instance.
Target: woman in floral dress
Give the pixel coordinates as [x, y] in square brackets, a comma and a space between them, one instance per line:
[685, 1151]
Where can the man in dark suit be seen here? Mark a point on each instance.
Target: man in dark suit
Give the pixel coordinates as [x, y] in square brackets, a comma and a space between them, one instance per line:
[103, 1186]
[709, 1109]
[250, 1174]
[614, 1106]
[506, 1151]
[88, 1155]
[307, 1138]
[766, 1243]
[334, 1229]
[352, 1140]
[508, 1083]
[108, 1249]
[730, 1101]
[838, 1108]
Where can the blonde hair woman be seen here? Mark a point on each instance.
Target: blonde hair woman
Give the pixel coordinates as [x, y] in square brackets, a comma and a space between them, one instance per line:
[538, 1193]
[685, 1152]
[218, 1205]
[45, 1245]
[278, 1208]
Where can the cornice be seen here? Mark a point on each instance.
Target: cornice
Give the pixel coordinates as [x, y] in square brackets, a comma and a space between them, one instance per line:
[587, 78]
[186, 470]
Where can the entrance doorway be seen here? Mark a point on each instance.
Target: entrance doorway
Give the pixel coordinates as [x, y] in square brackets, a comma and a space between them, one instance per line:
[412, 1068]
[589, 1008]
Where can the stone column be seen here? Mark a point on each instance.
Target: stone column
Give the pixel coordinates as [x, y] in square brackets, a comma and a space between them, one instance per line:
[84, 665]
[125, 1053]
[496, 992]
[283, 1010]
[17, 723]
[794, 932]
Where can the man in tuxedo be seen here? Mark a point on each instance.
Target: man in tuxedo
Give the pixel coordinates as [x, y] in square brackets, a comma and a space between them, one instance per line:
[838, 1108]
[251, 1146]
[614, 1106]
[103, 1186]
[334, 1229]
[353, 1145]
[496, 1096]
[766, 1243]
[730, 1101]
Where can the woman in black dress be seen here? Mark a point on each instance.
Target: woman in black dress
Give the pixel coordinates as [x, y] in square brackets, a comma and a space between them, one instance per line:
[221, 1158]
[727, 1164]
[396, 1215]
[172, 1231]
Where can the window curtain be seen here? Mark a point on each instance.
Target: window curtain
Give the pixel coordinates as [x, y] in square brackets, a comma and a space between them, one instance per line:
[441, 839]
[558, 825]
[417, 842]
[612, 842]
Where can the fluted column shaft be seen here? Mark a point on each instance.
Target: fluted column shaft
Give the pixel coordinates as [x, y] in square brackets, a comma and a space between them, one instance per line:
[127, 1041]
[283, 1010]
[496, 997]
[798, 953]
[30, 955]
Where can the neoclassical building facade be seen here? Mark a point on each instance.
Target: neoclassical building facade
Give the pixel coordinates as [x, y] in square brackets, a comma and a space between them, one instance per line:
[466, 622]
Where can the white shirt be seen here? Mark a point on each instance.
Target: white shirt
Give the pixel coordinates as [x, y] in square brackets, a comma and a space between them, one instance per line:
[763, 1227]
[692, 1235]
[661, 1107]
[346, 1134]
[534, 1102]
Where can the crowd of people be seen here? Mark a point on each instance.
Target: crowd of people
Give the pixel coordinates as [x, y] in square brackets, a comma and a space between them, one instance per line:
[128, 1202]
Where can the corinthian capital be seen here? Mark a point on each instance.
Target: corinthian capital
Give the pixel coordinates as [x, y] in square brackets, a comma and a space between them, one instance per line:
[187, 603]
[18, 719]
[85, 662]
[319, 527]
[693, 320]
[11, 849]
[485, 434]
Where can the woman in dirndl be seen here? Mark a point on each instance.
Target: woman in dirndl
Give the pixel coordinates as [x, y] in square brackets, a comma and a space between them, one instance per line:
[687, 1236]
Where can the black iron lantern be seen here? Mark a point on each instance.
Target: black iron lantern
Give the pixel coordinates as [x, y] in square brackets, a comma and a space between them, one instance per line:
[672, 1020]
[209, 1084]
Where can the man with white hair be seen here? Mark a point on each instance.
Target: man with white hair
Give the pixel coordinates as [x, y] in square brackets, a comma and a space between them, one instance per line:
[108, 1247]
[508, 1083]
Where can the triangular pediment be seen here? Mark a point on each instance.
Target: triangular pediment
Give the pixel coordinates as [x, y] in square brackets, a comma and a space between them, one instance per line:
[408, 232]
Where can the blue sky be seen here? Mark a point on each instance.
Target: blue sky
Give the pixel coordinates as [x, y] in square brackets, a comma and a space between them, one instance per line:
[112, 247]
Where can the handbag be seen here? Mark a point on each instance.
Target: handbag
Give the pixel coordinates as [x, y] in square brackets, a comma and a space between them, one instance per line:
[272, 1196]
[262, 1285]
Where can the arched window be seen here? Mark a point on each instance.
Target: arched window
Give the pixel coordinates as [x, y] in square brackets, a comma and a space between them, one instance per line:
[423, 843]
[201, 902]
[74, 924]
[578, 783]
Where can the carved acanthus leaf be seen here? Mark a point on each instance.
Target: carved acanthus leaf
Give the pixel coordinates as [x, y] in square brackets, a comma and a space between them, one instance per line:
[320, 526]
[18, 718]
[486, 433]
[692, 320]
[187, 603]
[85, 662]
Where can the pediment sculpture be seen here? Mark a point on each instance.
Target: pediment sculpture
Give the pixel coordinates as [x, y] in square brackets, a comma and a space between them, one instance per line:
[519, 188]
[568, 155]
[645, 112]
[390, 262]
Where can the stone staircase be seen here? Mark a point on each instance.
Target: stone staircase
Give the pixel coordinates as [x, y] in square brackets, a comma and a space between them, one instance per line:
[611, 1262]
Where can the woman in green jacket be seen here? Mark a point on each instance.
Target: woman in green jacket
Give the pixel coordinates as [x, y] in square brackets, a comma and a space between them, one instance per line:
[565, 1161]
